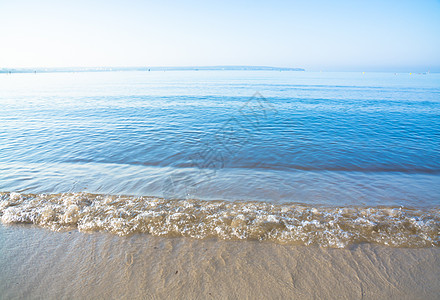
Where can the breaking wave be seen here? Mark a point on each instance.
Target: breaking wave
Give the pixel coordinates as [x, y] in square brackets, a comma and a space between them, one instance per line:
[282, 223]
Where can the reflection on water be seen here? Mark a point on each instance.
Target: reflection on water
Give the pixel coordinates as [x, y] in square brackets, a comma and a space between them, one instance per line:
[314, 138]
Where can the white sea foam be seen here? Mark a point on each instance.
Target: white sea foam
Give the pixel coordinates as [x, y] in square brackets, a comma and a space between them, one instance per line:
[281, 223]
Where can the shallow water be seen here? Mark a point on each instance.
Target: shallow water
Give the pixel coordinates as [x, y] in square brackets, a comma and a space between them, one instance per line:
[329, 140]
[241, 220]
[38, 263]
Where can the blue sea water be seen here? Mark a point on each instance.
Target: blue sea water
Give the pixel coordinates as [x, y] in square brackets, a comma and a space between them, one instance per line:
[332, 139]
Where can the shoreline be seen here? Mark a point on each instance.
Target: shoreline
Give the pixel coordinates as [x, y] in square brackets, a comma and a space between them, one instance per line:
[38, 263]
[335, 227]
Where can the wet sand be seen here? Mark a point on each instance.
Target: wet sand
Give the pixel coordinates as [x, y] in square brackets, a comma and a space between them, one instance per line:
[38, 263]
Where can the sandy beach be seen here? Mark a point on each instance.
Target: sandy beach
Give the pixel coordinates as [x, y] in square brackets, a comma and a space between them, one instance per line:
[41, 264]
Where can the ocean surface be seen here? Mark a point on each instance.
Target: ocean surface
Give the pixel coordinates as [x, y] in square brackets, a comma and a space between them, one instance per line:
[292, 157]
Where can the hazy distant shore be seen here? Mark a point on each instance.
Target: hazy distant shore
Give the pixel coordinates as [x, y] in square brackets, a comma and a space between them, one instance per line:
[146, 68]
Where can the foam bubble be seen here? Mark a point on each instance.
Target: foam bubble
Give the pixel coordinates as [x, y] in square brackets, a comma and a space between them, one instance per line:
[281, 223]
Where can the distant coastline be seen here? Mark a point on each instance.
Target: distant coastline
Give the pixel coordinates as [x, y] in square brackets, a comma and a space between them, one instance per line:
[146, 68]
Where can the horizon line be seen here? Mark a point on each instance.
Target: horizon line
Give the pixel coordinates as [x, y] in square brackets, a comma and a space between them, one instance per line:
[148, 68]
[195, 68]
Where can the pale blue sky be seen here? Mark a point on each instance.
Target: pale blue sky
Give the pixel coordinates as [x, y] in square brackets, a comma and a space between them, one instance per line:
[316, 35]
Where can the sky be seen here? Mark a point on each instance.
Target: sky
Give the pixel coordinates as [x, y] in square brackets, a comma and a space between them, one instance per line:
[396, 36]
